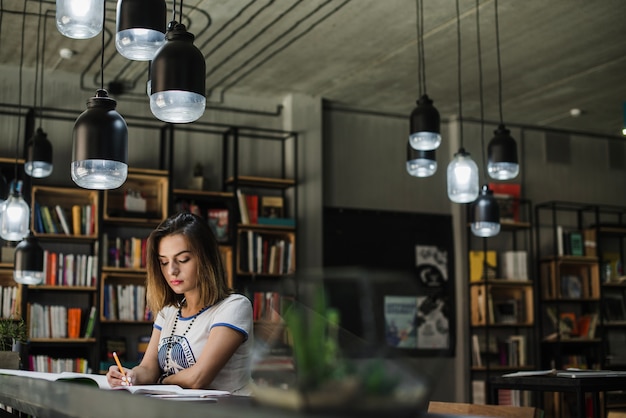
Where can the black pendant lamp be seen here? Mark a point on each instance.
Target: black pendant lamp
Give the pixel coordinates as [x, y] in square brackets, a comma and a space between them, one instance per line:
[485, 211]
[29, 261]
[502, 152]
[485, 214]
[425, 131]
[420, 163]
[38, 155]
[100, 135]
[177, 87]
[140, 28]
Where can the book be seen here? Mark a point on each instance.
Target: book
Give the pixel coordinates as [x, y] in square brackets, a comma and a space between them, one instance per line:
[507, 195]
[90, 323]
[272, 207]
[243, 208]
[63, 220]
[252, 203]
[100, 381]
[76, 219]
[477, 265]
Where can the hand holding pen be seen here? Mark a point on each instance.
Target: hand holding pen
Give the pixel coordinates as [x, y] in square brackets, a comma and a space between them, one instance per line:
[125, 378]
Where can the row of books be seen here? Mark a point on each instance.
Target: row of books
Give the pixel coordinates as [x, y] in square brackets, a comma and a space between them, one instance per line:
[265, 253]
[484, 265]
[127, 252]
[77, 220]
[57, 321]
[269, 306]
[570, 324]
[47, 364]
[264, 210]
[70, 269]
[8, 302]
[509, 351]
[125, 302]
[218, 218]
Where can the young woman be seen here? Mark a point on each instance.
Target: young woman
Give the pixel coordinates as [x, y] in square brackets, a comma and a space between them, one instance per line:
[202, 336]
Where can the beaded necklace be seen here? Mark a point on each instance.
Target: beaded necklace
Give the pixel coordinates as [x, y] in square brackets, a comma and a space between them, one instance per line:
[170, 344]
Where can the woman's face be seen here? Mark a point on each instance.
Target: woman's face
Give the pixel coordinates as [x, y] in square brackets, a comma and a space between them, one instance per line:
[178, 264]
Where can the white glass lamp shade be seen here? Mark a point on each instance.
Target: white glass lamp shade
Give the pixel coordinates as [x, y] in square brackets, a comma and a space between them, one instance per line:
[100, 152]
[177, 85]
[79, 19]
[140, 28]
[502, 155]
[425, 126]
[29, 262]
[15, 216]
[38, 155]
[462, 178]
[420, 163]
[485, 214]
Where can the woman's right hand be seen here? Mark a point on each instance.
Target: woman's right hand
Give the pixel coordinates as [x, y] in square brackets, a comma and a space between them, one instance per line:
[116, 378]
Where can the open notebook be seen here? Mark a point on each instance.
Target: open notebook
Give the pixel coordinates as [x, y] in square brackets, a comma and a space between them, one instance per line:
[166, 391]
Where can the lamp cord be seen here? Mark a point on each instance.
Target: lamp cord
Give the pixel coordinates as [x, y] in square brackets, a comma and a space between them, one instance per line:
[104, 13]
[419, 22]
[495, 4]
[458, 38]
[19, 89]
[37, 64]
[480, 90]
[173, 10]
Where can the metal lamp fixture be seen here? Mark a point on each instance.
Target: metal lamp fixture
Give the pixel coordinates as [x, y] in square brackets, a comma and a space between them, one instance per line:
[140, 30]
[502, 153]
[485, 211]
[462, 173]
[29, 261]
[79, 19]
[425, 121]
[100, 135]
[420, 163]
[177, 87]
[485, 214]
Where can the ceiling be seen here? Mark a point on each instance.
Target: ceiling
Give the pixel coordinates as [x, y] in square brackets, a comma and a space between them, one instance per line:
[555, 55]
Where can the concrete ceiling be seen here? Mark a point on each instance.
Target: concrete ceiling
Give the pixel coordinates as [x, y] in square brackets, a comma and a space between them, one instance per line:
[555, 55]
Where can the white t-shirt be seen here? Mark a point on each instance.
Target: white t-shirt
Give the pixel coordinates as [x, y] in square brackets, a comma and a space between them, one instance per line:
[186, 342]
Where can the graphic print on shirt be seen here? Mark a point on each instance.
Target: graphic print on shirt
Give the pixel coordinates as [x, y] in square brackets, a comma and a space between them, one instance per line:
[175, 354]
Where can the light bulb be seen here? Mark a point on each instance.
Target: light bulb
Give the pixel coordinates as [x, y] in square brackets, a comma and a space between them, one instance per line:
[421, 167]
[485, 229]
[99, 174]
[15, 216]
[79, 19]
[462, 176]
[177, 106]
[139, 44]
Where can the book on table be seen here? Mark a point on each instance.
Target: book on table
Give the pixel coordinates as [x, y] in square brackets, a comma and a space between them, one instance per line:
[100, 381]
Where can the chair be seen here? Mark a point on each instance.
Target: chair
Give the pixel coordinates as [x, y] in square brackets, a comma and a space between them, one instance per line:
[500, 411]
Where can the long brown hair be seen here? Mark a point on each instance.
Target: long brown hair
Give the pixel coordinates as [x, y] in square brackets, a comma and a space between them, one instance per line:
[212, 281]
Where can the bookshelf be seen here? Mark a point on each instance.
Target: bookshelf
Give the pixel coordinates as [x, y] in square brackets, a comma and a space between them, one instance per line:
[129, 214]
[502, 303]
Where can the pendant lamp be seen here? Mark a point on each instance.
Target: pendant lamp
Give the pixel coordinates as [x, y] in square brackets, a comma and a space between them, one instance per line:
[100, 152]
[15, 216]
[100, 135]
[462, 173]
[462, 178]
[485, 211]
[38, 155]
[177, 87]
[425, 121]
[140, 28]
[420, 163]
[502, 152]
[485, 214]
[79, 19]
[29, 261]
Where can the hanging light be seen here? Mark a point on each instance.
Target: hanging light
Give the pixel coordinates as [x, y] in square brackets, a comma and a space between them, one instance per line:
[38, 161]
[100, 153]
[29, 261]
[485, 214]
[141, 26]
[79, 19]
[462, 178]
[485, 211]
[425, 121]
[38, 155]
[502, 153]
[100, 135]
[177, 87]
[462, 173]
[420, 163]
[15, 216]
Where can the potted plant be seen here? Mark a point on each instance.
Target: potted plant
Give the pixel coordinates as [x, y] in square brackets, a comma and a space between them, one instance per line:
[12, 334]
